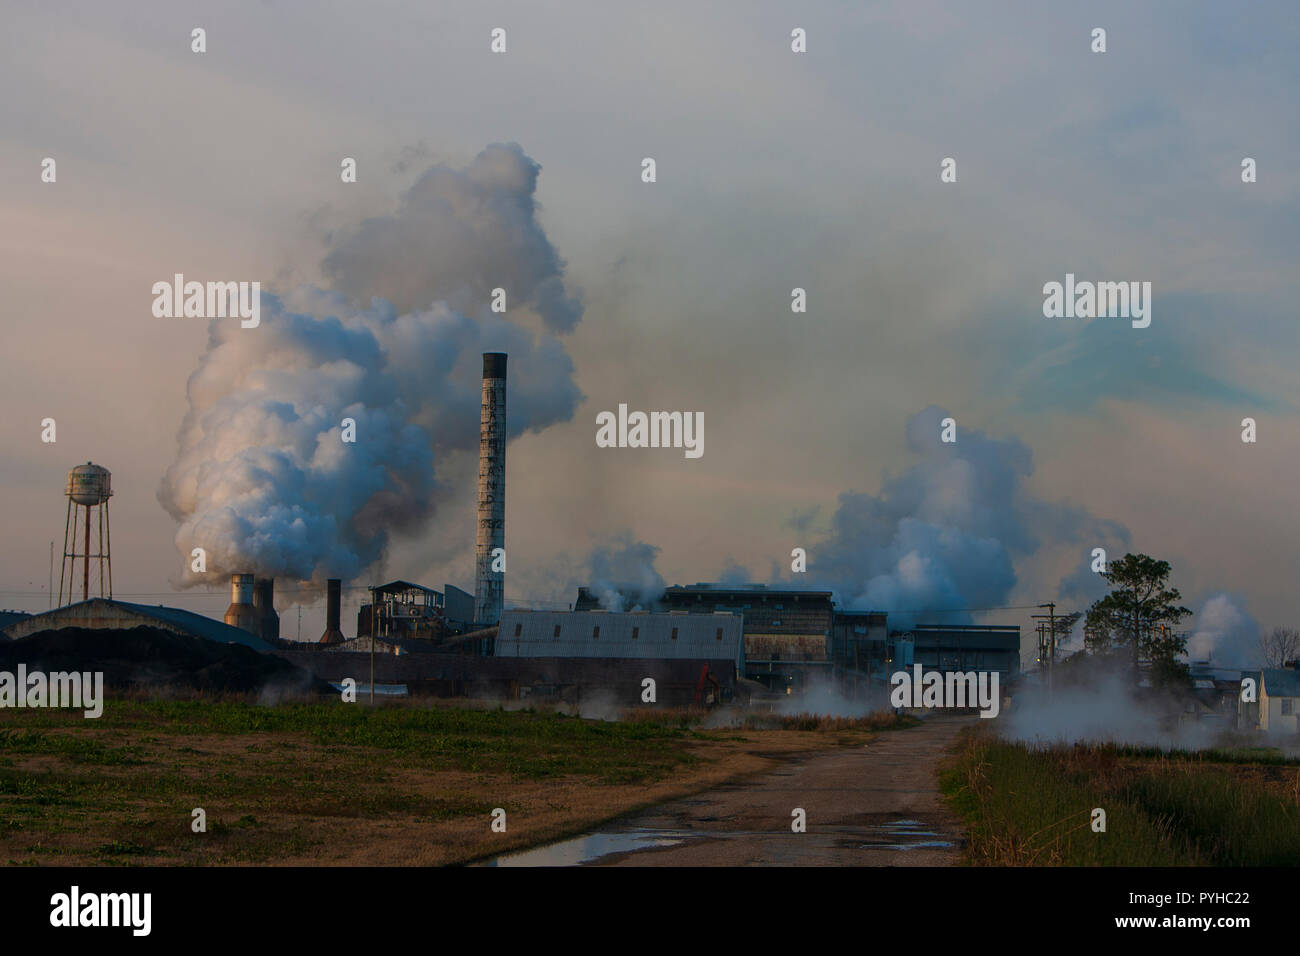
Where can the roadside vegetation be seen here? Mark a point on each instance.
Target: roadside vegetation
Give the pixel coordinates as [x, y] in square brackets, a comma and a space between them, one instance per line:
[1028, 806]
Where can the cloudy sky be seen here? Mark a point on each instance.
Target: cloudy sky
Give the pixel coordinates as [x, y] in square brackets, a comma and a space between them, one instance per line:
[775, 170]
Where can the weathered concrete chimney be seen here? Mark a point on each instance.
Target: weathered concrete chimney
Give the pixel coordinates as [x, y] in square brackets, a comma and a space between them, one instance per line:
[334, 593]
[264, 604]
[241, 613]
[489, 585]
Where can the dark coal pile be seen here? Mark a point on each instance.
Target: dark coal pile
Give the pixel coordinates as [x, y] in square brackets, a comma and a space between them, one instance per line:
[148, 658]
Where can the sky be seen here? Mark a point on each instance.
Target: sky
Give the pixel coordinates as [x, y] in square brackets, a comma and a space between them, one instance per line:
[774, 170]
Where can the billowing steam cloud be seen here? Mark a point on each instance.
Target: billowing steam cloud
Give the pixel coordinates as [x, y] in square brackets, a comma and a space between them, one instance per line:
[946, 533]
[1225, 635]
[1101, 710]
[262, 479]
[623, 575]
[456, 236]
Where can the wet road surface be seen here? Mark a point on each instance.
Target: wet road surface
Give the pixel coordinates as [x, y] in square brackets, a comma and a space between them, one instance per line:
[873, 805]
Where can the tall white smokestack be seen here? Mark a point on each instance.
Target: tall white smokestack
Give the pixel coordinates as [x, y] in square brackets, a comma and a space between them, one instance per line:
[489, 585]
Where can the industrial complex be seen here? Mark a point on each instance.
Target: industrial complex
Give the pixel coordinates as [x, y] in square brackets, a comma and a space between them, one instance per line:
[699, 644]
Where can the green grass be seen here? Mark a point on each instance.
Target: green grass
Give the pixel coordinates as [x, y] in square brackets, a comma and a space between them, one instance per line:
[1027, 807]
[133, 775]
[524, 744]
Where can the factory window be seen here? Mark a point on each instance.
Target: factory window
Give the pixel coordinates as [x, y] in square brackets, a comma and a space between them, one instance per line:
[674, 634]
[1288, 706]
[519, 629]
[719, 633]
[557, 630]
[595, 633]
[635, 632]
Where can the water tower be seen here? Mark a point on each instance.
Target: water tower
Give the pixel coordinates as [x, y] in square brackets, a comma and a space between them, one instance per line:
[89, 488]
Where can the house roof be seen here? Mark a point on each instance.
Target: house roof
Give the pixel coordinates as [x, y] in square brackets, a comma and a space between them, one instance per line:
[1281, 682]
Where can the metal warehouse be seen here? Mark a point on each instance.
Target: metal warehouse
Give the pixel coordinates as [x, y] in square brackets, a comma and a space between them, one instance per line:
[635, 634]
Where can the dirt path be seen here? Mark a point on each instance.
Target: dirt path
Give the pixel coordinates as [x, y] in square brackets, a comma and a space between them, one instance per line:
[877, 805]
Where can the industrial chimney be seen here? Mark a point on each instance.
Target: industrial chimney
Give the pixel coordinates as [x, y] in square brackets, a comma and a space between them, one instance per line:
[241, 613]
[489, 585]
[264, 604]
[332, 633]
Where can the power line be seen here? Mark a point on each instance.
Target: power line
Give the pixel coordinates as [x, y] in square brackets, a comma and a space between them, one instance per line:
[222, 593]
[969, 610]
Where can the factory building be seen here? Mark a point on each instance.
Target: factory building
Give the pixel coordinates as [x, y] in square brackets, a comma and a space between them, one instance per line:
[792, 636]
[786, 630]
[631, 635]
[967, 647]
[402, 610]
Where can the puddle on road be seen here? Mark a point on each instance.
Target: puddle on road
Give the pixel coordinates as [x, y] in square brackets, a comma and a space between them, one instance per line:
[592, 846]
[901, 835]
[907, 830]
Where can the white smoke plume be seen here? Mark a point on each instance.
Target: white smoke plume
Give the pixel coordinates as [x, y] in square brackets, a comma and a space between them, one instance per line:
[262, 479]
[623, 575]
[1102, 710]
[1225, 635]
[823, 698]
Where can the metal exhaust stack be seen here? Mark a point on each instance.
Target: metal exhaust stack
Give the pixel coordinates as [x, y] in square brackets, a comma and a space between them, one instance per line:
[241, 613]
[489, 585]
[332, 633]
[264, 604]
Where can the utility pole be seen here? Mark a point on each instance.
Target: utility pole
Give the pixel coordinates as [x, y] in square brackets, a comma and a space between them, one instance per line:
[1050, 640]
[1051, 626]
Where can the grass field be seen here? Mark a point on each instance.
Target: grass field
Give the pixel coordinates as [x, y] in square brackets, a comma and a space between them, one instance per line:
[322, 783]
[1033, 807]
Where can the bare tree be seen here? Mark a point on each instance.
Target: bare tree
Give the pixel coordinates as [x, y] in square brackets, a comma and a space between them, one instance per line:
[1280, 645]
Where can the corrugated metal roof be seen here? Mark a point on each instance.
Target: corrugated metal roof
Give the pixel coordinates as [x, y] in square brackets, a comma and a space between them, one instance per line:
[88, 614]
[533, 634]
[395, 586]
[10, 617]
[200, 626]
